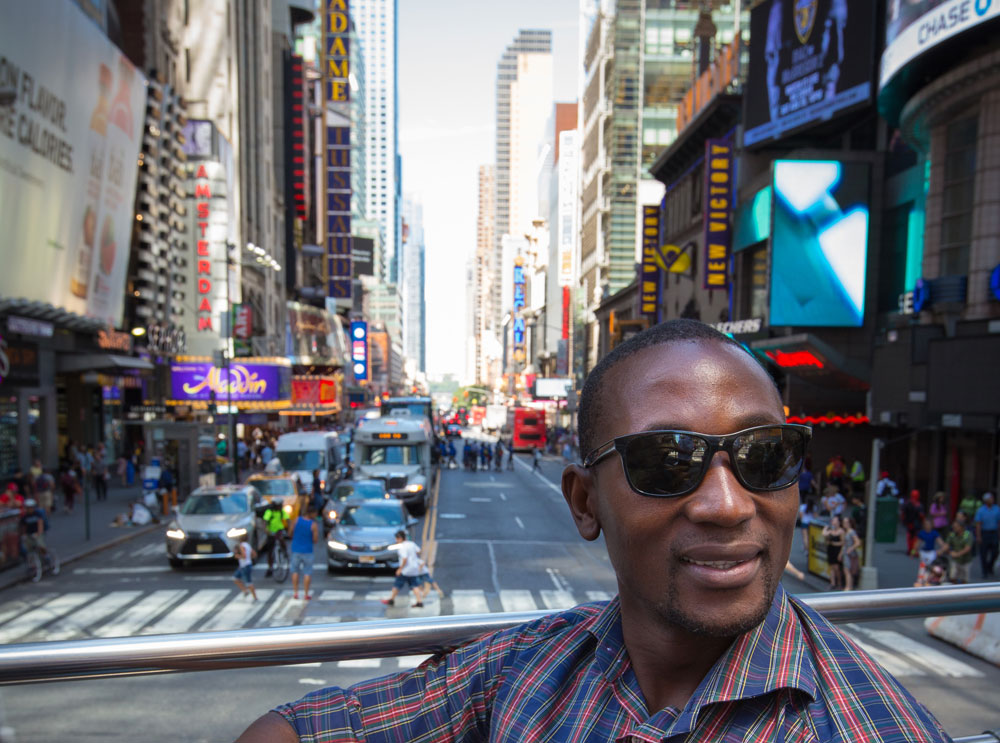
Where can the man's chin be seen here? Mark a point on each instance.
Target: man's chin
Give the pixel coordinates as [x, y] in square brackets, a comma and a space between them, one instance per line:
[729, 619]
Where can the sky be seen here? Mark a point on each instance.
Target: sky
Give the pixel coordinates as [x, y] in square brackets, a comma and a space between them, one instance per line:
[448, 55]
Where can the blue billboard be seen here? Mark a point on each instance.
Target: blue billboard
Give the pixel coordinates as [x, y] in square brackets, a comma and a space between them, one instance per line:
[819, 243]
[359, 349]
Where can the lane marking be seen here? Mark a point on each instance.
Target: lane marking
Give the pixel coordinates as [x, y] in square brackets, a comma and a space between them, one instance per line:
[406, 662]
[557, 600]
[51, 609]
[519, 522]
[331, 594]
[598, 596]
[540, 476]
[313, 682]
[470, 601]
[129, 622]
[76, 623]
[503, 496]
[481, 500]
[360, 663]
[926, 656]
[237, 612]
[116, 571]
[513, 600]
[184, 616]
[451, 515]
[557, 580]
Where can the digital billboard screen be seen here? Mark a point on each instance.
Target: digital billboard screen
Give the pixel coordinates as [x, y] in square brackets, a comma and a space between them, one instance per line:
[809, 60]
[916, 26]
[819, 243]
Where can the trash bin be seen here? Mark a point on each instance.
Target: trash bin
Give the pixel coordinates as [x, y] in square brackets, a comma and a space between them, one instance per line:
[886, 519]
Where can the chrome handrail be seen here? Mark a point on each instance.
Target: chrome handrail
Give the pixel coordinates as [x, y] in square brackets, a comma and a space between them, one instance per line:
[248, 648]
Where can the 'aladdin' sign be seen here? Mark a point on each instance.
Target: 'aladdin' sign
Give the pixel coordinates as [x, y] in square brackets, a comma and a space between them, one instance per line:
[250, 382]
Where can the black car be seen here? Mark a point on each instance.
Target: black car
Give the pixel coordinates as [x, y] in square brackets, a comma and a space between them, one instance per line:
[454, 431]
[353, 490]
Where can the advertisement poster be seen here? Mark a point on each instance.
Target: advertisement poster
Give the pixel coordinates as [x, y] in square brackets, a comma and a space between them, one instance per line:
[819, 243]
[718, 212]
[809, 60]
[69, 146]
[249, 382]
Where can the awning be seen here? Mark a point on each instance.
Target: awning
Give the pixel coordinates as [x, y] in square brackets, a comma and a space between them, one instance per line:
[808, 357]
[100, 362]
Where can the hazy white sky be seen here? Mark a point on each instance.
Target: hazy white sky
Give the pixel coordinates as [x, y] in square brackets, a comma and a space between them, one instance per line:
[448, 54]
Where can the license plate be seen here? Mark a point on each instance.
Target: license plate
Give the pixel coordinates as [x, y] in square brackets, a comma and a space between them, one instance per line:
[366, 558]
[204, 548]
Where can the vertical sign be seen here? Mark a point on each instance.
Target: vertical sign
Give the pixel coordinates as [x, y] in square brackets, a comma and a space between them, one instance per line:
[718, 200]
[649, 281]
[298, 136]
[337, 91]
[519, 304]
[203, 271]
[359, 349]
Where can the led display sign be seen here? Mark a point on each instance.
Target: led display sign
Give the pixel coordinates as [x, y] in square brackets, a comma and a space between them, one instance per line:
[819, 243]
[800, 71]
[519, 304]
[359, 349]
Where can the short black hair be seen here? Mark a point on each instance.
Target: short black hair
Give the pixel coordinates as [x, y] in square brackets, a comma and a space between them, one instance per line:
[401, 534]
[591, 407]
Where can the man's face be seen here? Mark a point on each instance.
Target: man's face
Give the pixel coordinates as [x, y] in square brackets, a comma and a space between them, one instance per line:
[708, 562]
[988, 499]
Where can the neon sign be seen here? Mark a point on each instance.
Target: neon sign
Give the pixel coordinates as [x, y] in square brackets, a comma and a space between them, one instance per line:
[795, 359]
[249, 382]
[203, 191]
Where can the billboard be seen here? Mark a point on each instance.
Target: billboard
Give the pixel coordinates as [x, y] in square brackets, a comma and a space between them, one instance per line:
[800, 71]
[552, 387]
[916, 26]
[718, 212]
[247, 382]
[819, 243]
[69, 146]
[314, 336]
[359, 349]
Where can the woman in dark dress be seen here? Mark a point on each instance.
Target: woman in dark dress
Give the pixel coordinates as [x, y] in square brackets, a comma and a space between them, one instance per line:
[833, 533]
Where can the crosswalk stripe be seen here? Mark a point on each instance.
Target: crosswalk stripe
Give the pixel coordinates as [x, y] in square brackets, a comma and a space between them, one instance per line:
[375, 595]
[22, 605]
[360, 663]
[336, 595]
[932, 659]
[598, 596]
[517, 600]
[406, 662]
[149, 549]
[282, 612]
[558, 599]
[237, 612]
[183, 617]
[889, 661]
[129, 622]
[76, 623]
[470, 601]
[52, 609]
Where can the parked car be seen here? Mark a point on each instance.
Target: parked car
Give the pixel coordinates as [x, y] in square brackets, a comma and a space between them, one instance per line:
[211, 521]
[348, 489]
[364, 535]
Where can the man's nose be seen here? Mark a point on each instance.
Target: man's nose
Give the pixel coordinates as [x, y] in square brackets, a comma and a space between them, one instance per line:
[720, 499]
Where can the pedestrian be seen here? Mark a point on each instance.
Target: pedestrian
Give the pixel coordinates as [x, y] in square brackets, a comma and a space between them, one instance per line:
[832, 502]
[427, 582]
[85, 460]
[407, 572]
[99, 475]
[939, 514]
[968, 507]
[852, 561]
[987, 522]
[836, 472]
[123, 470]
[701, 642]
[807, 483]
[45, 484]
[11, 498]
[245, 555]
[71, 488]
[452, 464]
[807, 513]
[958, 548]
[167, 489]
[510, 455]
[486, 456]
[886, 487]
[316, 495]
[536, 458]
[305, 534]
[833, 533]
[928, 543]
[912, 516]
[33, 525]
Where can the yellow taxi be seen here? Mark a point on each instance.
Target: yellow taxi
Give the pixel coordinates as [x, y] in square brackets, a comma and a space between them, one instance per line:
[284, 488]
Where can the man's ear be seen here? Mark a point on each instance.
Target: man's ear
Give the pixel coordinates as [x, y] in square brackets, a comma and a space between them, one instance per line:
[580, 492]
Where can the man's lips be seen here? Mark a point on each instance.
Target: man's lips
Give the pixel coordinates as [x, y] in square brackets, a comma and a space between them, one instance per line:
[723, 566]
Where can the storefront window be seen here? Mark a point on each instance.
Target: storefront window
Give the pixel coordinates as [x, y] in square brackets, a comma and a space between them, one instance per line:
[8, 435]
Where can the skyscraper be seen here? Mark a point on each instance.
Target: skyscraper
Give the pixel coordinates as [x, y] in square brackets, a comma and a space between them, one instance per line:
[378, 33]
[414, 307]
[482, 327]
[524, 102]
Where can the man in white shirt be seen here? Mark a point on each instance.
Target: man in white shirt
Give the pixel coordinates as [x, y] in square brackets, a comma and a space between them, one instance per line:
[408, 570]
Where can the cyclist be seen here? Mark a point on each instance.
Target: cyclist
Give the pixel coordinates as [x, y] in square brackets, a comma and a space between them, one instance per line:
[33, 526]
[276, 521]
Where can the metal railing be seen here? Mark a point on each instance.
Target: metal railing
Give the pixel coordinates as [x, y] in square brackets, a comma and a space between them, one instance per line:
[212, 651]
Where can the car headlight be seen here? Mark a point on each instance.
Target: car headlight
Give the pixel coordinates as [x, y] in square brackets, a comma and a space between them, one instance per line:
[414, 488]
[236, 531]
[175, 532]
[287, 508]
[335, 545]
[332, 515]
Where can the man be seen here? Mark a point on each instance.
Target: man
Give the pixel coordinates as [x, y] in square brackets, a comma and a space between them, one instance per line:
[276, 521]
[886, 487]
[33, 526]
[701, 643]
[408, 571]
[536, 458]
[958, 548]
[987, 523]
[305, 534]
[99, 474]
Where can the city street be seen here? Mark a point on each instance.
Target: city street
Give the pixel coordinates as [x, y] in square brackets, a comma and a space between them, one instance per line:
[501, 541]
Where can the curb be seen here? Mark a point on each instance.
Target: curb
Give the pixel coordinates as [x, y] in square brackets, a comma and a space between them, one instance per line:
[17, 574]
[977, 634]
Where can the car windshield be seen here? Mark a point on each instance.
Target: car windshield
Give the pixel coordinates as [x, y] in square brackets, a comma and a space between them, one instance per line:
[302, 459]
[275, 487]
[211, 504]
[359, 490]
[391, 455]
[373, 514]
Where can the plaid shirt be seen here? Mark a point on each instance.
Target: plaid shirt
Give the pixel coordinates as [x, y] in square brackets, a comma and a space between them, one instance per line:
[568, 678]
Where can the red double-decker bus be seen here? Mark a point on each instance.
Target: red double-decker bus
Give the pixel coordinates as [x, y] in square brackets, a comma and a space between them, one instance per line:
[527, 428]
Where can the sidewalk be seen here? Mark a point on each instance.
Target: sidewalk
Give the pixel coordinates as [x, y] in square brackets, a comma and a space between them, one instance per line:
[67, 531]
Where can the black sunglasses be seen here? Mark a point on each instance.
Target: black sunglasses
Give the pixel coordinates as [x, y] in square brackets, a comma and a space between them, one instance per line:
[665, 464]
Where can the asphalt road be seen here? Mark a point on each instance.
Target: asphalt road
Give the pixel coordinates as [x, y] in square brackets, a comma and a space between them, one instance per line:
[498, 541]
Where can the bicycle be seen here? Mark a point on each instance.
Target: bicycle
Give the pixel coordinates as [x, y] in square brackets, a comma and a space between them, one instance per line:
[37, 563]
[281, 561]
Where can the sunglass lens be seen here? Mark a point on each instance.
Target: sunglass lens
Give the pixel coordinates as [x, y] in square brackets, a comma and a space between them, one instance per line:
[664, 463]
[770, 458]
